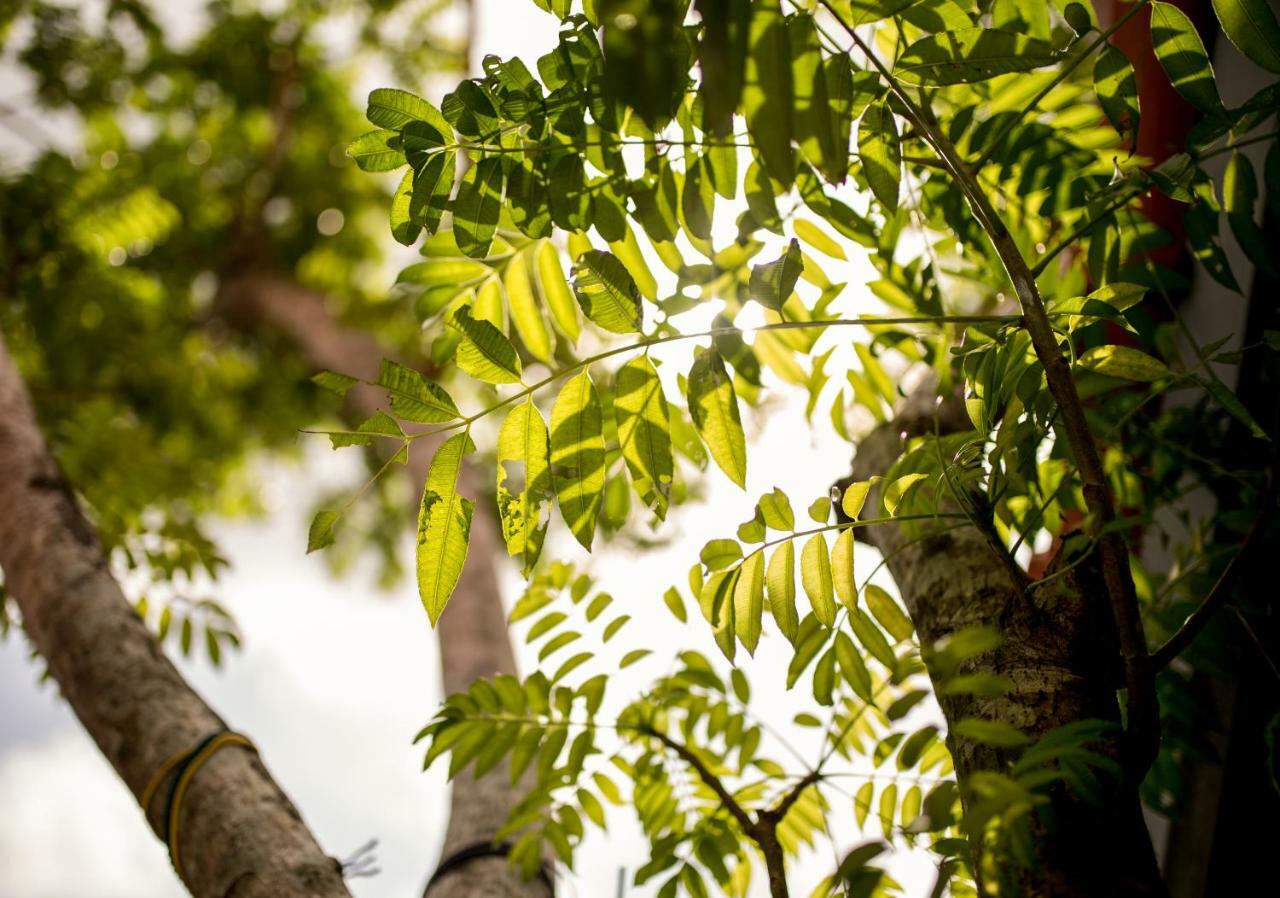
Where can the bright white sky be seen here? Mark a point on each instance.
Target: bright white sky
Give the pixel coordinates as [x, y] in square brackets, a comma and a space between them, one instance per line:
[335, 677]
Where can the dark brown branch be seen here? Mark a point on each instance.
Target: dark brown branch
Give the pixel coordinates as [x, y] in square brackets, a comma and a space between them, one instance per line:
[1221, 591]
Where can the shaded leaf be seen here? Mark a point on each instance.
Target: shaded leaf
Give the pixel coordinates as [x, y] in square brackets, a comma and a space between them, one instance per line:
[578, 456]
[713, 405]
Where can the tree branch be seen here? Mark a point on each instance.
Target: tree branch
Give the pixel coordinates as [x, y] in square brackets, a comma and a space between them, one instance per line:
[1143, 709]
[239, 831]
[713, 782]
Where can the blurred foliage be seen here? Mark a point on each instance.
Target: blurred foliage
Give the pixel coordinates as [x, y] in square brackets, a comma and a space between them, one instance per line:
[193, 157]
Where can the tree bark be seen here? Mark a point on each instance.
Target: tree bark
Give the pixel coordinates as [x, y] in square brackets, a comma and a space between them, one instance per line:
[473, 628]
[1059, 649]
[240, 837]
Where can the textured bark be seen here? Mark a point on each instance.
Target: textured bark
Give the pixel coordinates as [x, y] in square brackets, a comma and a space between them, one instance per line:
[473, 629]
[240, 837]
[1059, 650]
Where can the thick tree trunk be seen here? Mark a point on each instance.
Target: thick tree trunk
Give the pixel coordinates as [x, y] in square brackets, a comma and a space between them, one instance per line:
[473, 629]
[240, 837]
[1059, 651]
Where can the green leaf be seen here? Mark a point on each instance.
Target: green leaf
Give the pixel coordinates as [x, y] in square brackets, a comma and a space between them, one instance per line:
[1182, 56]
[872, 639]
[880, 153]
[644, 432]
[718, 554]
[722, 56]
[1117, 90]
[413, 397]
[525, 313]
[748, 601]
[320, 534]
[1251, 25]
[376, 151]
[1231, 402]
[646, 56]
[403, 228]
[716, 601]
[970, 55]
[523, 504]
[775, 509]
[698, 199]
[773, 283]
[607, 292]
[886, 611]
[444, 526]
[819, 239]
[862, 803]
[853, 667]
[334, 382]
[391, 108]
[767, 91]
[555, 290]
[781, 582]
[432, 186]
[842, 569]
[815, 574]
[824, 678]
[478, 206]
[713, 405]
[578, 456]
[855, 496]
[1124, 362]
[896, 491]
[990, 732]
[820, 510]
[484, 352]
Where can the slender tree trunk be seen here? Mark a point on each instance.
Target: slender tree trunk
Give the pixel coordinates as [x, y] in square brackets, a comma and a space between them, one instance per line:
[1060, 652]
[240, 837]
[473, 629]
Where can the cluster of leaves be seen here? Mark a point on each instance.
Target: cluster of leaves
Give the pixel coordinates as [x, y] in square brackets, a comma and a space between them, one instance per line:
[821, 151]
[176, 179]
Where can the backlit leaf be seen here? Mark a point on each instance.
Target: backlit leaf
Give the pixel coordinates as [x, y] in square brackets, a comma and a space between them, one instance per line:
[713, 405]
[413, 397]
[578, 456]
[781, 581]
[815, 574]
[607, 292]
[444, 526]
[644, 431]
[484, 352]
[1182, 55]
[524, 483]
[971, 54]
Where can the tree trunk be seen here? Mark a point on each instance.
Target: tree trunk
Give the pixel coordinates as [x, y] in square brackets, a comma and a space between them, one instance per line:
[1059, 649]
[240, 837]
[473, 629]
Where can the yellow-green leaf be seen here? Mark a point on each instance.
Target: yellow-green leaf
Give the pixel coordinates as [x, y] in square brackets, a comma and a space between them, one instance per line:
[523, 503]
[713, 405]
[1182, 55]
[748, 601]
[607, 292]
[644, 431]
[444, 527]
[413, 397]
[815, 574]
[855, 496]
[484, 352]
[1124, 362]
[886, 611]
[781, 581]
[525, 313]
[578, 456]
[767, 89]
[556, 292]
[881, 156]
[842, 569]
